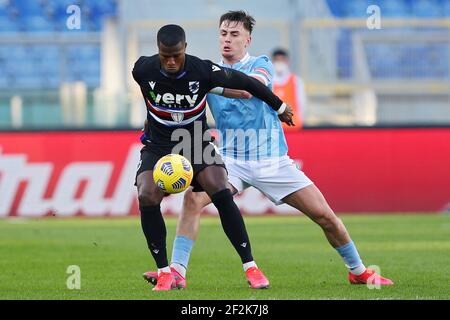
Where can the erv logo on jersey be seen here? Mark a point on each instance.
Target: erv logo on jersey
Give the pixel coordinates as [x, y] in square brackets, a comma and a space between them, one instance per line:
[178, 99]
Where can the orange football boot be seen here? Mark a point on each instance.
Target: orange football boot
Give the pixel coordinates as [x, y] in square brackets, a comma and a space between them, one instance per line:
[256, 279]
[165, 281]
[152, 277]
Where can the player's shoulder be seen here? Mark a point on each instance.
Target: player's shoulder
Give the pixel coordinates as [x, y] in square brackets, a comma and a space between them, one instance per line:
[262, 60]
[145, 60]
[203, 66]
[196, 61]
[143, 64]
[262, 66]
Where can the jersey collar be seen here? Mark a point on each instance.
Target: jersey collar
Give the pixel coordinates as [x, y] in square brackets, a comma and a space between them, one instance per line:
[238, 64]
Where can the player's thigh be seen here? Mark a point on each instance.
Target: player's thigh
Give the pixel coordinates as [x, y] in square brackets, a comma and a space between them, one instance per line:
[213, 179]
[278, 177]
[194, 202]
[311, 202]
[238, 174]
[148, 191]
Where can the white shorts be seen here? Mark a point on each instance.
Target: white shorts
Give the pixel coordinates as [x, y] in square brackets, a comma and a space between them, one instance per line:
[276, 178]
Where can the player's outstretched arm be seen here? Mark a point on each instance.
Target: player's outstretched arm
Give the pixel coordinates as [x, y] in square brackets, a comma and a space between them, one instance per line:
[231, 93]
[233, 79]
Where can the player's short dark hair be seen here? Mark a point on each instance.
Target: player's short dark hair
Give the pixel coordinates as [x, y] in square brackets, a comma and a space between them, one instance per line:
[280, 52]
[239, 16]
[170, 35]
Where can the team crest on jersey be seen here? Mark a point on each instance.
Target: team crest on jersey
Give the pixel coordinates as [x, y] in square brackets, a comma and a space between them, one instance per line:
[194, 86]
[177, 117]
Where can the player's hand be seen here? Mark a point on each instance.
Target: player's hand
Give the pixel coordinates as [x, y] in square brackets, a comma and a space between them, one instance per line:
[286, 116]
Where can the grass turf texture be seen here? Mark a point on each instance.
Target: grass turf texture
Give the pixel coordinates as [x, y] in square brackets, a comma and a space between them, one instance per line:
[413, 250]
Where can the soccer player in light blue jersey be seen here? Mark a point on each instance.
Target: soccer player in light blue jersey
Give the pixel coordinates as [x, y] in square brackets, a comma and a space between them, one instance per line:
[254, 149]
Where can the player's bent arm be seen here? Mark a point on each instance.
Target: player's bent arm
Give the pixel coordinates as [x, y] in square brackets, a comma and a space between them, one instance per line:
[233, 79]
[234, 93]
[240, 94]
[231, 93]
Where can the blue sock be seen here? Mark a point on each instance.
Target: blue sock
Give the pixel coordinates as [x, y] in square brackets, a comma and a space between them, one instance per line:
[351, 258]
[182, 247]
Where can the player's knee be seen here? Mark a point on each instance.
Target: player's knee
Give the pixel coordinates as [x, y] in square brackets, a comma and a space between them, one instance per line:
[327, 219]
[192, 203]
[148, 198]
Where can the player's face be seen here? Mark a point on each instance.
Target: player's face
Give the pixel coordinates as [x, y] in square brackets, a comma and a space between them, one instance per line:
[234, 40]
[172, 58]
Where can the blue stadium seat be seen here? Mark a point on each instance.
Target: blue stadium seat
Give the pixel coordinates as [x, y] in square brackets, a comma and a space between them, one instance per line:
[357, 8]
[37, 24]
[445, 7]
[391, 8]
[38, 65]
[8, 25]
[394, 9]
[426, 8]
[399, 60]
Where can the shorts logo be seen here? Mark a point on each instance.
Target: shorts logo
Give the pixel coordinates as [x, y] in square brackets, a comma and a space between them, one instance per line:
[194, 86]
[177, 117]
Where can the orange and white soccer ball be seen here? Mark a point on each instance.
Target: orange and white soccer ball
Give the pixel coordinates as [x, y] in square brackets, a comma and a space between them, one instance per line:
[173, 173]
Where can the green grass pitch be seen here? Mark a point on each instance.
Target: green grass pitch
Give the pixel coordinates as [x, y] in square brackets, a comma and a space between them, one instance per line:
[413, 250]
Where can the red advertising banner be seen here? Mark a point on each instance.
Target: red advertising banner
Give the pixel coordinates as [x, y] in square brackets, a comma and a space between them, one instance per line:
[358, 170]
[378, 170]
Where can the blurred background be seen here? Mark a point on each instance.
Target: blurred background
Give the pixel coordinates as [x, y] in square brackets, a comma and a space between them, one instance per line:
[373, 93]
[372, 103]
[54, 75]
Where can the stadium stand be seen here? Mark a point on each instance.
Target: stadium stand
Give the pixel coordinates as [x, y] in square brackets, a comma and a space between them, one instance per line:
[36, 70]
[398, 59]
[28, 66]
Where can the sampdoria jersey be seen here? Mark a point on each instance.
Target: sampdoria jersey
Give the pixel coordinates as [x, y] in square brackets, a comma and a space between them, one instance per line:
[261, 135]
[179, 101]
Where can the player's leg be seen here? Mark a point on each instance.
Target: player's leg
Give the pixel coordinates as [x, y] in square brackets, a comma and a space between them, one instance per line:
[283, 182]
[213, 180]
[187, 231]
[153, 225]
[188, 228]
[189, 219]
[312, 203]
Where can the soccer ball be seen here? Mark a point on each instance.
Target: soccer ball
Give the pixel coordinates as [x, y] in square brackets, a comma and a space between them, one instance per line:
[173, 173]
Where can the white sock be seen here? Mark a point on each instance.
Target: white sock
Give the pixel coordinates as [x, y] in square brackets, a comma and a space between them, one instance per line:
[358, 270]
[249, 265]
[180, 269]
[165, 269]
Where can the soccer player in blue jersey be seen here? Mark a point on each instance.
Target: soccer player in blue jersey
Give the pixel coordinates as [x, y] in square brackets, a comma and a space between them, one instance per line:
[258, 160]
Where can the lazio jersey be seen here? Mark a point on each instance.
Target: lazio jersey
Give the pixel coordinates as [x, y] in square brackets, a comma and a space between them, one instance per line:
[248, 129]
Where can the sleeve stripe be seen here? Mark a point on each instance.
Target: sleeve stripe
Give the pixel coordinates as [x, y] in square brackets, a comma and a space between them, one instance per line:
[260, 76]
[263, 71]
